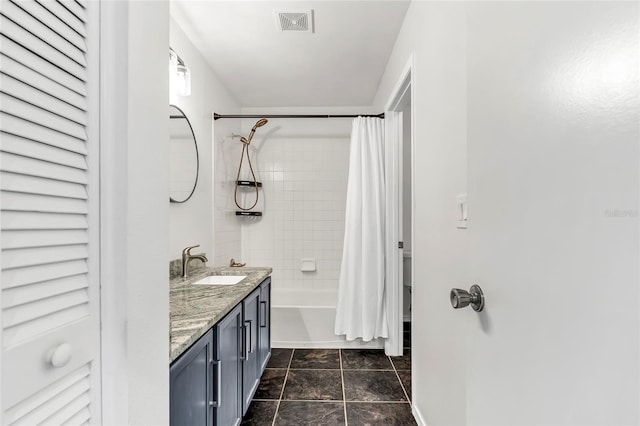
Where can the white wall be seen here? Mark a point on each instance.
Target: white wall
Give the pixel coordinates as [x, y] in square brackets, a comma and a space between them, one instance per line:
[201, 220]
[135, 220]
[436, 33]
[148, 288]
[303, 164]
[113, 223]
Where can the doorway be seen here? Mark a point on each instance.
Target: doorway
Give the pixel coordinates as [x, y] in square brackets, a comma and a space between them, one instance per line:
[406, 223]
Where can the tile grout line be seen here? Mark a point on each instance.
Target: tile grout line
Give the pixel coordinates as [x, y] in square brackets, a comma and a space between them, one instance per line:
[286, 376]
[344, 395]
[334, 401]
[334, 369]
[406, 395]
[316, 369]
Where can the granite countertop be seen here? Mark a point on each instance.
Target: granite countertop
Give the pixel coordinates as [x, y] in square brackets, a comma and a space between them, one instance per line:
[194, 309]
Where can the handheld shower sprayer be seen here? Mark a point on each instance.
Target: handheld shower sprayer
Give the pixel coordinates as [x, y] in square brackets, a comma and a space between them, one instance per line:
[259, 123]
[245, 148]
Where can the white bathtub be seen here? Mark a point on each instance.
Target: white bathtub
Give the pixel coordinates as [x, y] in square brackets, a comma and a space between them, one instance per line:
[305, 319]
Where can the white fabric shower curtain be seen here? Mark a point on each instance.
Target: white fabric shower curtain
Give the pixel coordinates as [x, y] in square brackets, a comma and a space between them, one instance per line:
[361, 311]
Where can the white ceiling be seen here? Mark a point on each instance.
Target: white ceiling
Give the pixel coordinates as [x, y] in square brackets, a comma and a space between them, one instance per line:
[339, 64]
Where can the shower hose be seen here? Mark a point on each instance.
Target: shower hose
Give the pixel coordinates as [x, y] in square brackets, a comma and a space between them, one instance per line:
[245, 148]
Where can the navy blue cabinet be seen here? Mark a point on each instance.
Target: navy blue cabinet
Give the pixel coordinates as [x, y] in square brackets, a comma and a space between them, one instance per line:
[228, 372]
[264, 349]
[191, 385]
[213, 382]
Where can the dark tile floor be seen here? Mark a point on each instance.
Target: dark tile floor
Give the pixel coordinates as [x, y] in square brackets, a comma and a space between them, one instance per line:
[334, 387]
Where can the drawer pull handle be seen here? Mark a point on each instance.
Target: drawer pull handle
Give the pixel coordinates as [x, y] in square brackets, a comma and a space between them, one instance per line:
[243, 342]
[250, 346]
[263, 323]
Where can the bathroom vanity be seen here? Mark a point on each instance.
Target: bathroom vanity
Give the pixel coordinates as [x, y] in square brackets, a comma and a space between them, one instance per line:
[220, 345]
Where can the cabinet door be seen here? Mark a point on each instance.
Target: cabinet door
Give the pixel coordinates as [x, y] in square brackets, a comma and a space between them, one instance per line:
[51, 97]
[228, 371]
[265, 324]
[191, 385]
[250, 373]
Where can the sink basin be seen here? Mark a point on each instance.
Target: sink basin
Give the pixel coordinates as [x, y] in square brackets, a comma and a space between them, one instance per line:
[220, 280]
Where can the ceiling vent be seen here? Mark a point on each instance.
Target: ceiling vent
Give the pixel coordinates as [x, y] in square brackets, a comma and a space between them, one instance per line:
[300, 21]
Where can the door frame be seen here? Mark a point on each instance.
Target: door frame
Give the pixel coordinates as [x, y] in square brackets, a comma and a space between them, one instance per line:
[113, 209]
[404, 87]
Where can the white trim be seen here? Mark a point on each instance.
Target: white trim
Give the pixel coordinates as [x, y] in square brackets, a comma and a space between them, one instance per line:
[417, 414]
[393, 231]
[400, 88]
[393, 173]
[94, 146]
[1, 328]
[114, 100]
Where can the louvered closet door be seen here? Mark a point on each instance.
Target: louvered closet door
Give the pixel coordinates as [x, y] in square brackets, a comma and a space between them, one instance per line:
[49, 205]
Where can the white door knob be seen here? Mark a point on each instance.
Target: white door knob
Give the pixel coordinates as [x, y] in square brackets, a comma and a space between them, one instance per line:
[60, 355]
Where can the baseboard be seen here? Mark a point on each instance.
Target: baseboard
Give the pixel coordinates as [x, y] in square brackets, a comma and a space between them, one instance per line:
[418, 416]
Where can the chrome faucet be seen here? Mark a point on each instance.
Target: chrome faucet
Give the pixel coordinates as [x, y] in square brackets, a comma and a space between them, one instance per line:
[188, 257]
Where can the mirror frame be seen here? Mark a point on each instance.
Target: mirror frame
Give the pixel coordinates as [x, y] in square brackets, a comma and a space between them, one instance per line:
[195, 143]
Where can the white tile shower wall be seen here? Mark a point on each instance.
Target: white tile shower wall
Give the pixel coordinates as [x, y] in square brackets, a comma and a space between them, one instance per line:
[304, 190]
[303, 164]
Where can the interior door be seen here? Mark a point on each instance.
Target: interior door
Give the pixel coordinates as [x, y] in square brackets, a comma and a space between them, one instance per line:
[50, 325]
[553, 206]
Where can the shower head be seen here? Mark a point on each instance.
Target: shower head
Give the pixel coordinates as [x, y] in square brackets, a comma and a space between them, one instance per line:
[260, 123]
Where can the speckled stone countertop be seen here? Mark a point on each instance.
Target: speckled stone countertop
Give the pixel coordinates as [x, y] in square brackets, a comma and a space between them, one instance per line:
[194, 309]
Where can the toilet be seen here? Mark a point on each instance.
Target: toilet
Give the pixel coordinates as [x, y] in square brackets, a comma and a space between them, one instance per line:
[406, 269]
[406, 284]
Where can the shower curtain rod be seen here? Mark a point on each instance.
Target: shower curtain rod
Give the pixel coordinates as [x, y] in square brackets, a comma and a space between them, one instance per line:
[217, 116]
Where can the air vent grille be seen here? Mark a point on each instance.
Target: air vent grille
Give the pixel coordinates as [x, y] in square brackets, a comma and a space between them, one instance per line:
[295, 21]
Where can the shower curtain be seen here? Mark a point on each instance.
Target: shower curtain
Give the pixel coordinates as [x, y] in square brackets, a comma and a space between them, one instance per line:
[361, 309]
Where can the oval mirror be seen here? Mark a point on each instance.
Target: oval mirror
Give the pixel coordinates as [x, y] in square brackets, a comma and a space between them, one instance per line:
[184, 162]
